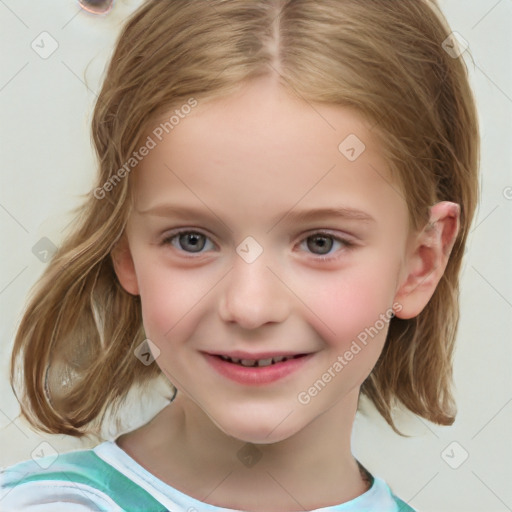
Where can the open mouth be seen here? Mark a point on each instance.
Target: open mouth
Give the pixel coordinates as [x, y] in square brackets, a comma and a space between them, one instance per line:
[265, 370]
[252, 363]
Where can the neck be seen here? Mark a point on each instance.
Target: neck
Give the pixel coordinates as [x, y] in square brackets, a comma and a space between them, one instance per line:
[313, 468]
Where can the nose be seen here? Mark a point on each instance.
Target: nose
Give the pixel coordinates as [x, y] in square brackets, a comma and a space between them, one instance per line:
[253, 295]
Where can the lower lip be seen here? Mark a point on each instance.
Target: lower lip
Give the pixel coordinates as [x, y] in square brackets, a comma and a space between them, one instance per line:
[254, 375]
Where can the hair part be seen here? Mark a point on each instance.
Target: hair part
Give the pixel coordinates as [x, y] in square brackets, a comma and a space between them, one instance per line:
[73, 356]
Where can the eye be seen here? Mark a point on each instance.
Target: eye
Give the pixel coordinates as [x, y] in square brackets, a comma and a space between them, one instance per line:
[189, 241]
[322, 244]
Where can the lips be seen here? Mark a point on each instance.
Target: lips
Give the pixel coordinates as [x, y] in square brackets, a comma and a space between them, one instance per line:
[257, 369]
[258, 362]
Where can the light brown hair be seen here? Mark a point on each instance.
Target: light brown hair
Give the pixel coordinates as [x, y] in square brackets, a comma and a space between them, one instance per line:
[73, 355]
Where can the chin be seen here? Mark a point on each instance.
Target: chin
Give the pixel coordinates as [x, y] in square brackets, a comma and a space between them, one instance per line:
[259, 430]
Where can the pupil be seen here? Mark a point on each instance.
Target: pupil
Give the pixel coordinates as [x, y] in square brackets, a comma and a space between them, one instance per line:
[323, 243]
[192, 242]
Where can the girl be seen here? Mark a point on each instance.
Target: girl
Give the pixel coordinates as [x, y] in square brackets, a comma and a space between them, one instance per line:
[284, 196]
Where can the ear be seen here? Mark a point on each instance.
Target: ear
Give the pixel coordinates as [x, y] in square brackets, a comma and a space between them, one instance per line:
[124, 267]
[427, 258]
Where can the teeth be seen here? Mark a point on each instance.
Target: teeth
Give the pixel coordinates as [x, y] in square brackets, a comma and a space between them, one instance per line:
[257, 362]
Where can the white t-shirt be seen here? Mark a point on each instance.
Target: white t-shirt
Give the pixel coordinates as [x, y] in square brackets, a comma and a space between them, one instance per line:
[107, 479]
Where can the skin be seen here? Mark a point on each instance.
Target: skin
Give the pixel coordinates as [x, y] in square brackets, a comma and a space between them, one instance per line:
[248, 162]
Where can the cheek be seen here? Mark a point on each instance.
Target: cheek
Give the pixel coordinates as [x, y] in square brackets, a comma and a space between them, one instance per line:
[352, 318]
[353, 306]
[170, 299]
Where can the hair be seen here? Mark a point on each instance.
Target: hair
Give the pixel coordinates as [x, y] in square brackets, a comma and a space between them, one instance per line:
[73, 356]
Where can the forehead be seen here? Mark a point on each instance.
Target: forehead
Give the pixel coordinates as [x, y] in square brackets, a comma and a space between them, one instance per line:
[262, 151]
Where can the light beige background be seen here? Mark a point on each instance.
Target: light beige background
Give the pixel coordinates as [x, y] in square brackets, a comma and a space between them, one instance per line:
[47, 163]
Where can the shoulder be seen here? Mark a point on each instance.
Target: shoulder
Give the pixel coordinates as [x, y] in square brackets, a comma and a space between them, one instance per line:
[401, 505]
[380, 497]
[73, 482]
[398, 505]
[68, 482]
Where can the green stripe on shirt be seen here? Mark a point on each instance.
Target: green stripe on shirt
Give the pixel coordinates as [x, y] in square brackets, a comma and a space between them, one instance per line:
[85, 467]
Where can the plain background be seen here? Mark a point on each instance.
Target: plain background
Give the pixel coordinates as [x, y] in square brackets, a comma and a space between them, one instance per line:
[47, 163]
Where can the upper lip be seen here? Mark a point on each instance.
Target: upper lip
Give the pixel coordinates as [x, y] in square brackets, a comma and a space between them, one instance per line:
[239, 354]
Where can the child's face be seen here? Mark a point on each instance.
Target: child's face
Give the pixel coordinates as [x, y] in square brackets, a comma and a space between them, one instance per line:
[243, 167]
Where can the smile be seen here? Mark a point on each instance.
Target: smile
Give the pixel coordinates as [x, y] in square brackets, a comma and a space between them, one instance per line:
[258, 362]
[257, 371]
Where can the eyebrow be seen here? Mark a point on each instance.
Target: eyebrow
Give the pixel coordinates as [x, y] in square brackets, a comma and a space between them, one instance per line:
[180, 212]
[322, 213]
[169, 210]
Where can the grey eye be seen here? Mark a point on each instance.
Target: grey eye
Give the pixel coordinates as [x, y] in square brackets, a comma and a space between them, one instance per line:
[192, 242]
[320, 244]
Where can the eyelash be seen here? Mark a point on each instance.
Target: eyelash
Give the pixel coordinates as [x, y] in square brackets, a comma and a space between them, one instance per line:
[346, 244]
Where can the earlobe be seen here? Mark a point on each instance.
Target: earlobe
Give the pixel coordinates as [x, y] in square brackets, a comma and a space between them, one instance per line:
[124, 267]
[427, 259]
